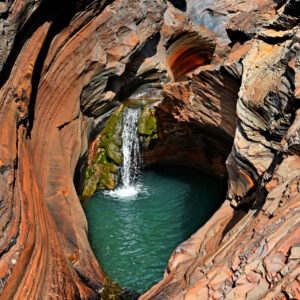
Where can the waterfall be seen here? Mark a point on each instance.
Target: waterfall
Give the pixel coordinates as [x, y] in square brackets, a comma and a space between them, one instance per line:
[130, 147]
[129, 185]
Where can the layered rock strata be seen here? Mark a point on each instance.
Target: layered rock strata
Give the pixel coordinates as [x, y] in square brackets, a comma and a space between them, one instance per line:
[64, 68]
[249, 249]
[54, 74]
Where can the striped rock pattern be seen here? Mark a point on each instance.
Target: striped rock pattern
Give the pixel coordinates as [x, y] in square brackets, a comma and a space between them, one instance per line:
[231, 89]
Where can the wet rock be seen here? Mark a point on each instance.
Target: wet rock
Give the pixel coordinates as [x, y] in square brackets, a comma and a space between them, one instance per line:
[147, 127]
[111, 136]
[147, 121]
[111, 290]
[104, 157]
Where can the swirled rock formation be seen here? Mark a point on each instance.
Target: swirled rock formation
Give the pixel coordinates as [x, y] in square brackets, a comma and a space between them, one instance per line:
[56, 66]
[249, 249]
[230, 85]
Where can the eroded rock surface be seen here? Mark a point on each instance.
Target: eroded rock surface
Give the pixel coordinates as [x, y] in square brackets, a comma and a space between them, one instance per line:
[232, 106]
[54, 81]
[247, 250]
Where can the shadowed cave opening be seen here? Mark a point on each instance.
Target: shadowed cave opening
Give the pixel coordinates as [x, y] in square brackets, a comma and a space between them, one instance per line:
[180, 4]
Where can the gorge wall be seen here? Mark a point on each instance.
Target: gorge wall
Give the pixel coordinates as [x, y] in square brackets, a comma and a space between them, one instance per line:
[228, 74]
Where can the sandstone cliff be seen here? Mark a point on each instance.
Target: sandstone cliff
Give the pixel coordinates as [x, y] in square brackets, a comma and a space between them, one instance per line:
[230, 84]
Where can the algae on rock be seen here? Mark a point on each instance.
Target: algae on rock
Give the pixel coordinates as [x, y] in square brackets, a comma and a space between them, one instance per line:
[147, 126]
[111, 290]
[111, 136]
[106, 156]
[101, 171]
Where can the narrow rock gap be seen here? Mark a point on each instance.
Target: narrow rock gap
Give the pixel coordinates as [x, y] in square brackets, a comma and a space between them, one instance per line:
[274, 40]
[60, 20]
[237, 37]
[45, 12]
[180, 4]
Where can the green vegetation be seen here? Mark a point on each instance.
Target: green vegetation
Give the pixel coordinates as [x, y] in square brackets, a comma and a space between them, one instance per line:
[111, 290]
[101, 172]
[147, 126]
[111, 136]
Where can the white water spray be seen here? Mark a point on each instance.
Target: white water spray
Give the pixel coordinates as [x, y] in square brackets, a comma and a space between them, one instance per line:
[130, 171]
[130, 147]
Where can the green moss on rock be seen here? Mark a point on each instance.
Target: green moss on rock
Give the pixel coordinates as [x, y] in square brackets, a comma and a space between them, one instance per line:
[147, 126]
[106, 175]
[147, 121]
[114, 152]
[111, 136]
[101, 172]
[111, 290]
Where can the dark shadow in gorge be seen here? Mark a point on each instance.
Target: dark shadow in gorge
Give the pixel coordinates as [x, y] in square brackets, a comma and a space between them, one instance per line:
[128, 82]
[180, 4]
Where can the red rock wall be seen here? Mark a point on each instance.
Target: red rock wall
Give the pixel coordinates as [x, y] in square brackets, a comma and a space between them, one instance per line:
[44, 249]
[187, 51]
[249, 249]
[63, 66]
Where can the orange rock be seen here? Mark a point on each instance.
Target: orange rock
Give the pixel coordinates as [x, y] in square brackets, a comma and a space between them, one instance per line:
[58, 51]
[63, 67]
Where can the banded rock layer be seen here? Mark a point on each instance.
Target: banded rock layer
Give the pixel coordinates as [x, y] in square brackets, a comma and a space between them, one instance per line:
[64, 68]
[249, 249]
[60, 56]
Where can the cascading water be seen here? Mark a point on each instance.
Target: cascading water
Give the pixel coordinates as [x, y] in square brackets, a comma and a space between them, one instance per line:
[130, 147]
[152, 212]
[130, 171]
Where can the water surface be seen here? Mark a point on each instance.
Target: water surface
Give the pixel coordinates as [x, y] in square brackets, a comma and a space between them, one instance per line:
[134, 237]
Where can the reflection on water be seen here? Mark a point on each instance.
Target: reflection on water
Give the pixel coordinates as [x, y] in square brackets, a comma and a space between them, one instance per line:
[133, 237]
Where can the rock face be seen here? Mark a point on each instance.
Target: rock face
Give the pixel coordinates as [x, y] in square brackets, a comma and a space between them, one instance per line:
[195, 116]
[246, 250]
[230, 85]
[105, 155]
[56, 67]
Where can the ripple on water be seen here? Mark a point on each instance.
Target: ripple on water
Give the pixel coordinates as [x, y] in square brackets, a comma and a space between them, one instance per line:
[133, 232]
